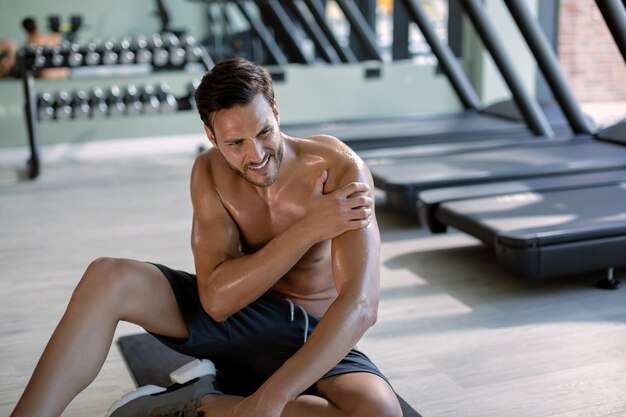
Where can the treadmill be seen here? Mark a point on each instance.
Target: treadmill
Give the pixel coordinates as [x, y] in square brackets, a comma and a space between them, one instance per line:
[473, 127]
[551, 229]
[404, 178]
[545, 226]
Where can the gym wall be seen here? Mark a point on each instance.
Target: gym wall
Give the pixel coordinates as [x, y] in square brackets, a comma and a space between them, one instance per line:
[308, 94]
[102, 19]
[478, 63]
[588, 54]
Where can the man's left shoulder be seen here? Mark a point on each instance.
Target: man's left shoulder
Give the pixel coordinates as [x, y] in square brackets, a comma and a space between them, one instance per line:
[341, 162]
[327, 141]
[336, 151]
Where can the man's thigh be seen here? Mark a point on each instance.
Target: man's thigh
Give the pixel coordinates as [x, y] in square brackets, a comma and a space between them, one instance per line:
[149, 298]
[360, 394]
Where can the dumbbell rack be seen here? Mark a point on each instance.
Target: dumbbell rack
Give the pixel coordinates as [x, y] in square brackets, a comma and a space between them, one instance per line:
[30, 60]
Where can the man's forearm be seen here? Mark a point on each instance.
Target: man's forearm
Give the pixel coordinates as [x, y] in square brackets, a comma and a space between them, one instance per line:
[338, 331]
[356, 269]
[237, 282]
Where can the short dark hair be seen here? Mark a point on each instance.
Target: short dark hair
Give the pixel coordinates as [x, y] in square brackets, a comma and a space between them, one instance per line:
[29, 24]
[230, 83]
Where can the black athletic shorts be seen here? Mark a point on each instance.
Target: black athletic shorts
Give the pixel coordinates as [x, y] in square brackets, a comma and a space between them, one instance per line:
[251, 344]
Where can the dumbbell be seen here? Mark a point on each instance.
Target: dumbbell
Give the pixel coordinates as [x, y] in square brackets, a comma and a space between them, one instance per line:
[151, 103]
[80, 105]
[132, 100]
[160, 55]
[194, 51]
[114, 101]
[188, 101]
[97, 103]
[126, 55]
[169, 39]
[109, 56]
[42, 56]
[45, 109]
[168, 101]
[62, 107]
[29, 54]
[74, 55]
[143, 55]
[57, 58]
[177, 54]
[92, 53]
[156, 41]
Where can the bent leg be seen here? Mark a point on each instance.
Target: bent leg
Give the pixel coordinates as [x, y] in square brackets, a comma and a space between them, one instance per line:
[303, 405]
[110, 290]
[358, 394]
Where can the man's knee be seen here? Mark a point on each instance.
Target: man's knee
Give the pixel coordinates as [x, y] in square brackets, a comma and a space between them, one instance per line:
[376, 407]
[216, 405]
[360, 394]
[103, 277]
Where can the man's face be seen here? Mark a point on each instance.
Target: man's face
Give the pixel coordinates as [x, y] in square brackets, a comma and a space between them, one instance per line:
[249, 139]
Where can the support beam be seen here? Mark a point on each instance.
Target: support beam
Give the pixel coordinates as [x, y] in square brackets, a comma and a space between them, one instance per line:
[549, 65]
[529, 107]
[322, 44]
[360, 27]
[448, 62]
[400, 44]
[614, 14]
[317, 10]
[262, 33]
[30, 113]
[284, 27]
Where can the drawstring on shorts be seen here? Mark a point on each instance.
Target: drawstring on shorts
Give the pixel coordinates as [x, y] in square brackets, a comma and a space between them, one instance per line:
[292, 314]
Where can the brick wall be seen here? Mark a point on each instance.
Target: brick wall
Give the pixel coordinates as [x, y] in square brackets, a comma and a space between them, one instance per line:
[588, 55]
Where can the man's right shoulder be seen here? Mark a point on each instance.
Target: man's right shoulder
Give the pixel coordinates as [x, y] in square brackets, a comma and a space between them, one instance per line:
[207, 159]
[203, 170]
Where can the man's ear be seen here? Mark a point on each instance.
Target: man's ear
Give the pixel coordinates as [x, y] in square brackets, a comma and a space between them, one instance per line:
[210, 135]
[276, 112]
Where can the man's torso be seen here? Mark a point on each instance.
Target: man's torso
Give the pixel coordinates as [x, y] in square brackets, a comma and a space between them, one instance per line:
[310, 282]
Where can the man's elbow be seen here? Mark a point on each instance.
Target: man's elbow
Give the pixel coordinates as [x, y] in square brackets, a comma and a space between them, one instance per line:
[214, 308]
[370, 316]
[368, 313]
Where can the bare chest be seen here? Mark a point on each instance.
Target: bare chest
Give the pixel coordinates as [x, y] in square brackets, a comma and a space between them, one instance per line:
[259, 221]
[310, 279]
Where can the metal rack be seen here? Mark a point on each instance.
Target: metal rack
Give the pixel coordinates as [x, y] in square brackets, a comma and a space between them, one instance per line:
[32, 59]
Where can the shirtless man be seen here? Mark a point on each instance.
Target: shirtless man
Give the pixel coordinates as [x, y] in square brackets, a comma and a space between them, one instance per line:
[283, 233]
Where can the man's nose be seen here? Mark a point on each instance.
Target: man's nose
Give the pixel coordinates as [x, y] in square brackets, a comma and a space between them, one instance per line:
[255, 151]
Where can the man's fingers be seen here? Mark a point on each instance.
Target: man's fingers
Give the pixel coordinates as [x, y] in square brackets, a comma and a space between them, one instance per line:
[353, 187]
[363, 212]
[359, 214]
[319, 182]
[360, 201]
[359, 224]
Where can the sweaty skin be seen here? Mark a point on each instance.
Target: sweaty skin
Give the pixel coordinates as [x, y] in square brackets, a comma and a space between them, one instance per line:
[270, 212]
[309, 282]
[273, 212]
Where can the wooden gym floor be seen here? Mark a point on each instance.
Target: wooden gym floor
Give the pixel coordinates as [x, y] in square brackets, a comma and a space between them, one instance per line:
[456, 335]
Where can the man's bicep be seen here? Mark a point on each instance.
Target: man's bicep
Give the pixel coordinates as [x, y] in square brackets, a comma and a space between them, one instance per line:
[214, 237]
[356, 253]
[214, 233]
[356, 260]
